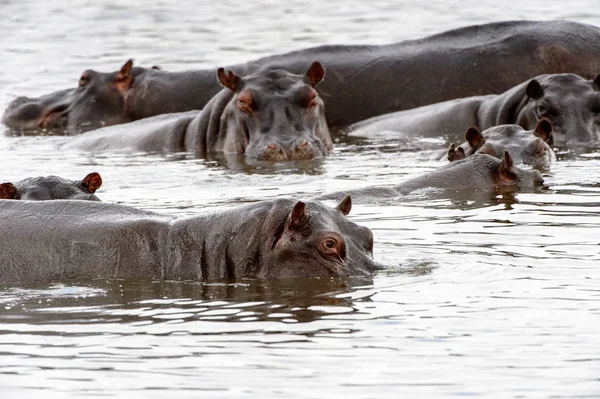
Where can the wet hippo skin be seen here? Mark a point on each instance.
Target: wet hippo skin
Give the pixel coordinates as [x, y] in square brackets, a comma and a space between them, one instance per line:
[66, 240]
[270, 115]
[45, 188]
[479, 171]
[569, 102]
[364, 81]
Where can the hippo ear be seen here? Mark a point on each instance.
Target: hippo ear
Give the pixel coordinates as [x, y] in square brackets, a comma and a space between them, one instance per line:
[534, 89]
[8, 191]
[506, 171]
[543, 129]
[315, 73]
[345, 206]
[474, 137]
[156, 67]
[92, 182]
[229, 80]
[455, 153]
[297, 218]
[124, 77]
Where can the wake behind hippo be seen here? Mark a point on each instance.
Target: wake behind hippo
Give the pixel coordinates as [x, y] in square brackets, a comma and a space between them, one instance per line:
[44, 188]
[271, 115]
[477, 172]
[282, 238]
[568, 101]
[364, 81]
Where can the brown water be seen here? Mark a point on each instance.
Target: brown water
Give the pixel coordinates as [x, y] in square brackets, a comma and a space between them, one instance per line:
[490, 296]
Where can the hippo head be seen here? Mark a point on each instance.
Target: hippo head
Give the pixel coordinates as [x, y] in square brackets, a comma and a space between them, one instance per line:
[52, 188]
[526, 146]
[505, 174]
[569, 102]
[275, 115]
[99, 100]
[313, 240]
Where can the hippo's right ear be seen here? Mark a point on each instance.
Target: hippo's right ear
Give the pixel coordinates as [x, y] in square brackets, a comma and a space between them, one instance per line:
[534, 89]
[124, 78]
[8, 191]
[474, 137]
[345, 206]
[229, 80]
[506, 172]
[315, 73]
[297, 218]
[92, 182]
[543, 129]
[455, 153]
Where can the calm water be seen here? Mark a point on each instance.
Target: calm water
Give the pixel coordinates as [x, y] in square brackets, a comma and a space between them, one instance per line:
[490, 296]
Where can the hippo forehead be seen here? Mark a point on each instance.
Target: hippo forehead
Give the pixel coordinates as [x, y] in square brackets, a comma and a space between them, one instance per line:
[504, 131]
[274, 82]
[565, 84]
[50, 187]
[325, 218]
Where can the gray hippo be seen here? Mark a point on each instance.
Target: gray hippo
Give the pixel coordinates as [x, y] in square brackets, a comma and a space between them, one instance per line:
[570, 102]
[52, 188]
[363, 81]
[270, 115]
[525, 146]
[479, 171]
[283, 238]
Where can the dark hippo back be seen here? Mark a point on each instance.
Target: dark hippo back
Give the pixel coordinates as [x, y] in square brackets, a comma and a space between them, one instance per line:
[45, 188]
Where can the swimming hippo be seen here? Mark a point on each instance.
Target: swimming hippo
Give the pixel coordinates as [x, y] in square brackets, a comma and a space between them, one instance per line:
[282, 238]
[270, 115]
[479, 171]
[570, 102]
[363, 81]
[52, 188]
[525, 146]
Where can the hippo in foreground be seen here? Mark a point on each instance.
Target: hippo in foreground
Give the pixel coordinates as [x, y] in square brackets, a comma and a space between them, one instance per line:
[528, 147]
[272, 115]
[283, 238]
[52, 188]
[477, 172]
[364, 81]
[568, 101]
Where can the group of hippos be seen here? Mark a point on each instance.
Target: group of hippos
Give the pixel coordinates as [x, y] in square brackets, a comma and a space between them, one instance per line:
[287, 107]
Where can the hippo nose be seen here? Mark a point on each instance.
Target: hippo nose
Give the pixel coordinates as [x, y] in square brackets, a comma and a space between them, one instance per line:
[274, 152]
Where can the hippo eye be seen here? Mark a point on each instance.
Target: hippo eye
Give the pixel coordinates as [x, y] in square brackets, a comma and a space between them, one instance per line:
[245, 102]
[333, 248]
[330, 243]
[541, 110]
[311, 99]
[83, 80]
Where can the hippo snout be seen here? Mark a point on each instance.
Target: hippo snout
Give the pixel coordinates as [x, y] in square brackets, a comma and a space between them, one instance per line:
[297, 150]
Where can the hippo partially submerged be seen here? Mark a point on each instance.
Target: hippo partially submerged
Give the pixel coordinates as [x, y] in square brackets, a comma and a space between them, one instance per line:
[364, 81]
[52, 188]
[272, 115]
[60, 241]
[568, 101]
[479, 171]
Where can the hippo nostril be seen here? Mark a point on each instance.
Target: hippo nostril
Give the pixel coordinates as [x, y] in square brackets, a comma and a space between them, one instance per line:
[303, 144]
[272, 147]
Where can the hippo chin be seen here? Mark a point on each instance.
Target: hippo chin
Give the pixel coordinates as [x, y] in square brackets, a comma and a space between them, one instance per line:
[282, 238]
[45, 188]
[271, 115]
[365, 81]
[569, 102]
[478, 171]
[528, 147]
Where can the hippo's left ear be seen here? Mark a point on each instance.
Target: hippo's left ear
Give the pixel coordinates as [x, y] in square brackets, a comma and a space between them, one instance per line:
[474, 137]
[534, 89]
[345, 206]
[229, 80]
[543, 129]
[455, 153]
[124, 78]
[297, 218]
[8, 191]
[506, 172]
[315, 73]
[92, 182]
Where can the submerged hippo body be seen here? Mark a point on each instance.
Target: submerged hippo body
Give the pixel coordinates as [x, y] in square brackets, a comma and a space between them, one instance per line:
[60, 241]
[270, 115]
[479, 171]
[365, 81]
[52, 188]
[525, 146]
[570, 102]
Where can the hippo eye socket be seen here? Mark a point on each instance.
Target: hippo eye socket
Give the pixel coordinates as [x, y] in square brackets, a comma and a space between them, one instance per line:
[83, 80]
[330, 243]
[245, 102]
[333, 248]
[311, 100]
[541, 110]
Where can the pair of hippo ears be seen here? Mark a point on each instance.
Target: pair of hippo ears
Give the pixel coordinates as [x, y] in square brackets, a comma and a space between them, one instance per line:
[298, 218]
[315, 75]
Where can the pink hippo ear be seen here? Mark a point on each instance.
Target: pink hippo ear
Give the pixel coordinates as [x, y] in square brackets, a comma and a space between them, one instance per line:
[543, 129]
[8, 191]
[455, 153]
[345, 206]
[507, 175]
[534, 89]
[474, 137]
[124, 78]
[297, 219]
[229, 80]
[92, 182]
[315, 73]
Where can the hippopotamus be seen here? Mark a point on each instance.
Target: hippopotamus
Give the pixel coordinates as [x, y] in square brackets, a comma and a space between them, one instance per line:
[478, 171]
[363, 81]
[570, 102]
[45, 188]
[283, 238]
[270, 115]
[525, 146]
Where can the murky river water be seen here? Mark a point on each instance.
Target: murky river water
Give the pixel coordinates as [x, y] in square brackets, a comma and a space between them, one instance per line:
[489, 296]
